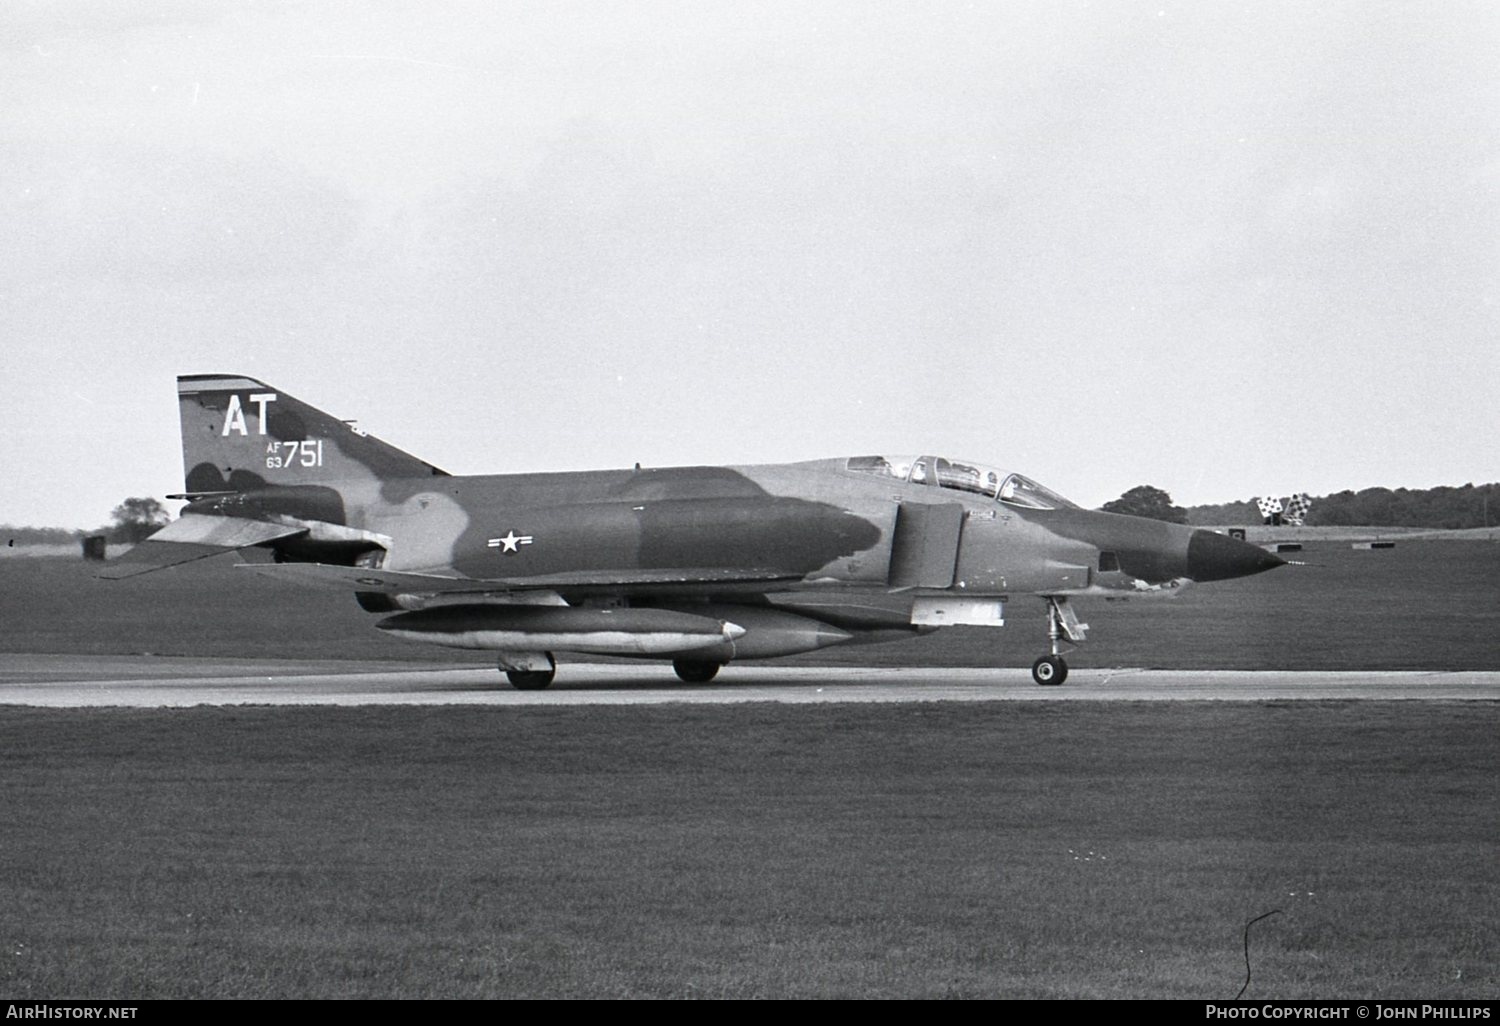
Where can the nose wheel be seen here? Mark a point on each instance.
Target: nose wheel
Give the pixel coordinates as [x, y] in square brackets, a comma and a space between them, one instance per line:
[1049, 670]
[1062, 622]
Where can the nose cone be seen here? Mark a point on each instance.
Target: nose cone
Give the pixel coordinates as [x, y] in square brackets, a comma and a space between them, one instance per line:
[1217, 557]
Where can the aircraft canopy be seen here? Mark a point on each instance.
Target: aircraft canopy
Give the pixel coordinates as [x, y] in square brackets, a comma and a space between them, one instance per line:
[962, 476]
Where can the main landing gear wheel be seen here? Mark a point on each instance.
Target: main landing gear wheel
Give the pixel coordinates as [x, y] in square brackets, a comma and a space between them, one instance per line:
[695, 672]
[530, 680]
[1049, 670]
[528, 671]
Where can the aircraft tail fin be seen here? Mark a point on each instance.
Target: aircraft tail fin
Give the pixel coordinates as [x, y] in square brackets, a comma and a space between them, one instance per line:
[240, 434]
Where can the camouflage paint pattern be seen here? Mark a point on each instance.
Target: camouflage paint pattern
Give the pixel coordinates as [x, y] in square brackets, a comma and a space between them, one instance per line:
[800, 555]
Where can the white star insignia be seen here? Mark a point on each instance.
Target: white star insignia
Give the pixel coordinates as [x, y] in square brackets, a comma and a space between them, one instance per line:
[512, 542]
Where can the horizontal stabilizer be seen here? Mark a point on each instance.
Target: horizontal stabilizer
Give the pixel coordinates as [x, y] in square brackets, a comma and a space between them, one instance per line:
[195, 536]
[354, 578]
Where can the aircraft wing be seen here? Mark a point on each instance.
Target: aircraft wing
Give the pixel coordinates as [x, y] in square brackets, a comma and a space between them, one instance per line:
[195, 536]
[353, 578]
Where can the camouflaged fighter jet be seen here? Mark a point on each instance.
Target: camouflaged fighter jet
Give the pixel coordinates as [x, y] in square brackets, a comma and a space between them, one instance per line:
[699, 565]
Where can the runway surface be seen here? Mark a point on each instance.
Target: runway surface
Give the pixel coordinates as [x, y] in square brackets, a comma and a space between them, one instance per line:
[74, 681]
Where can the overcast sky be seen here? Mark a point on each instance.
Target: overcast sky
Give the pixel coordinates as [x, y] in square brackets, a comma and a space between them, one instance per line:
[1224, 249]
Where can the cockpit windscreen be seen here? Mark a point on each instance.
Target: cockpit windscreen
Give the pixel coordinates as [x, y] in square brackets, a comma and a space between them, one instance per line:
[962, 476]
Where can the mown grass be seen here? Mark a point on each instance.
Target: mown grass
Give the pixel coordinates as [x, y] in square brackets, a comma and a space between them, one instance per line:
[1009, 850]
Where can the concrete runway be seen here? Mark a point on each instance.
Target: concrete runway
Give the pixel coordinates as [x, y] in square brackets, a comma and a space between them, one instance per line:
[73, 681]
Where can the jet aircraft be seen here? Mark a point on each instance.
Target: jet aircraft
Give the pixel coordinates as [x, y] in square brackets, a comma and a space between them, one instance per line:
[698, 565]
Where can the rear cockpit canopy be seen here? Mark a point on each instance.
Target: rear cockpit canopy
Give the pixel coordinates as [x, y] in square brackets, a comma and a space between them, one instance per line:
[962, 476]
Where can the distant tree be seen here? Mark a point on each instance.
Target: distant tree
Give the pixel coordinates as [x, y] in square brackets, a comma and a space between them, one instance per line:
[137, 519]
[1146, 501]
[1224, 514]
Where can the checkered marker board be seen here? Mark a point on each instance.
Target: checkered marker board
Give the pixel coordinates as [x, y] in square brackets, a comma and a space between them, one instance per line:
[1268, 506]
[1296, 508]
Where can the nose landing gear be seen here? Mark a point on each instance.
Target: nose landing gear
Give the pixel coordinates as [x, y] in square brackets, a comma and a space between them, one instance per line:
[1062, 622]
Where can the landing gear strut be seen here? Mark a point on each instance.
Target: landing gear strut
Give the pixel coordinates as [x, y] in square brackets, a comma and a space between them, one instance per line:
[1062, 622]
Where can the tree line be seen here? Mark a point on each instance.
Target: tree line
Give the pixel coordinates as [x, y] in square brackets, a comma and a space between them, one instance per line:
[1441, 508]
[132, 521]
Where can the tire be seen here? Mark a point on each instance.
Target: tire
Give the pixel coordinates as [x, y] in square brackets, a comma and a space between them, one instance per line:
[694, 672]
[530, 680]
[1049, 671]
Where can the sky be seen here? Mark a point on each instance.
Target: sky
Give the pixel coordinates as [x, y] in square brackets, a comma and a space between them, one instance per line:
[1225, 249]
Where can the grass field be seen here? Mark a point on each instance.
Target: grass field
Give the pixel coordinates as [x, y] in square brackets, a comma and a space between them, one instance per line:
[1052, 850]
[992, 849]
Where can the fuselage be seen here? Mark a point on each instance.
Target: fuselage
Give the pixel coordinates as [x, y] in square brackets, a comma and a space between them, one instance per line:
[813, 524]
